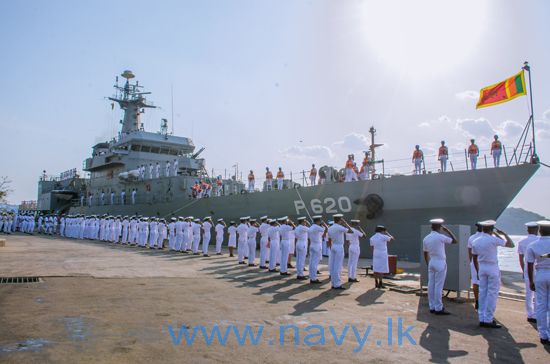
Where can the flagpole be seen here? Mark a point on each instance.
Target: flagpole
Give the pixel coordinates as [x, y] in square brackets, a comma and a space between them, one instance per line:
[528, 69]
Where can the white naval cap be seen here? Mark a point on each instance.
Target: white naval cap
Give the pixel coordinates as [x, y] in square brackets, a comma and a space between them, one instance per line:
[263, 217]
[197, 220]
[543, 223]
[284, 218]
[437, 221]
[206, 218]
[488, 223]
[317, 217]
[356, 221]
[220, 220]
[531, 224]
[252, 220]
[173, 219]
[338, 215]
[301, 218]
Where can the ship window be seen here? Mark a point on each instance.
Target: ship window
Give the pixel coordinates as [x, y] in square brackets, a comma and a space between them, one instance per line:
[136, 147]
[145, 148]
[164, 151]
[155, 149]
[173, 152]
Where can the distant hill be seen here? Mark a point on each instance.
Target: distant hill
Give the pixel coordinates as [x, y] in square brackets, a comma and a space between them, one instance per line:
[512, 220]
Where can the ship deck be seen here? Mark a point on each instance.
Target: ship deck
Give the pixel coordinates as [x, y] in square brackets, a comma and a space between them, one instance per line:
[103, 303]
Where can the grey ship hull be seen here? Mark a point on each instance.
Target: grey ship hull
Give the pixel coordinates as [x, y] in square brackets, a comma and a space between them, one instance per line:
[461, 197]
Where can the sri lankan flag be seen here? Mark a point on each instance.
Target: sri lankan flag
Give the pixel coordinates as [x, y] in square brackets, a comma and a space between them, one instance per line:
[503, 91]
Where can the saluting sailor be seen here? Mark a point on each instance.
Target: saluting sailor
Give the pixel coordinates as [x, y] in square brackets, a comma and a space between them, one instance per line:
[301, 233]
[207, 231]
[242, 247]
[232, 241]
[473, 272]
[434, 255]
[196, 228]
[264, 238]
[253, 229]
[485, 257]
[274, 244]
[336, 234]
[379, 242]
[172, 233]
[316, 232]
[220, 226]
[532, 235]
[286, 227]
[354, 250]
[538, 260]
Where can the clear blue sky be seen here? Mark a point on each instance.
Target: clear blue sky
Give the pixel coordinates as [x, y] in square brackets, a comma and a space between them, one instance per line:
[269, 83]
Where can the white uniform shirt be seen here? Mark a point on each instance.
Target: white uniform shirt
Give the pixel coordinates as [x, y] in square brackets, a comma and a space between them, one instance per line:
[434, 244]
[285, 230]
[196, 228]
[252, 231]
[315, 233]
[273, 233]
[263, 229]
[301, 232]
[379, 242]
[537, 252]
[354, 236]
[473, 237]
[242, 230]
[232, 230]
[207, 227]
[219, 229]
[336, 234]
[485, 247]
[524, 243]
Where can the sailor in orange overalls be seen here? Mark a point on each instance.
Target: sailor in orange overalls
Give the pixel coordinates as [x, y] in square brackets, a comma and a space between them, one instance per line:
[268, 179]
[496, 150]
[473, 153]
[313, 175]
[251, 181]
[364, 171]
[280, 178]
[417, 158]
[443, 156]
[219, 185]
[349, 169]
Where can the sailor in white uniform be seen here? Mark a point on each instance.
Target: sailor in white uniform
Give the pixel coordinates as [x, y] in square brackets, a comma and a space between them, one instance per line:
[286, 227]
[167, 169]
[157, 170]
[134, 193]
[379, 242]
[485, 257]
[316, 232]
[274, 244]
[434, 255]
[125, 227]
[172, 233]
[206, 236]
[253, 230]
[196, 229]
[538, 260]
[354, 250]
[264, 238]
[163, 234]
[180, 235]
[242, 247]
[473, 272]
[530, 302]
[301, 233]
[133, 230]
[187, 234]
[336, 234]
[220, 226]
[232, 241]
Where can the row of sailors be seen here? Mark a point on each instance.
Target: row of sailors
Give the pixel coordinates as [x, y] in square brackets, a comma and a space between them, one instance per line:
[112, 200]
[443, 155]
[534, 254]
[154, 171]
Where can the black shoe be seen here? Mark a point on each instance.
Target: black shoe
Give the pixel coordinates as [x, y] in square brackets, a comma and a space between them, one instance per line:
[301, 278]
[289, 265]
[278, 264]
[242, 262]
[492, 325]
[205, 255]
[218, 253]
[252, 265]
[315, 281]
[197, 253]
[545, 341]
[433, 311]
[318, 272]
[284, 273]
[263, 267]
[273, 271]
[531, 319]
[341, 288]
[352, 280]
[442, 312]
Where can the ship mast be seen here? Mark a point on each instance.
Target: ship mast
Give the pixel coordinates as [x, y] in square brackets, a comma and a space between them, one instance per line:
[372, 148]
[131, 100]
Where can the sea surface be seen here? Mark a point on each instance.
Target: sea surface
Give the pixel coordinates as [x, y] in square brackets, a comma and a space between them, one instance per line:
[508, 257]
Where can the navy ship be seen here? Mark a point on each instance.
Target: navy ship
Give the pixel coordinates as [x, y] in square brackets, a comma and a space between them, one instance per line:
[155, 174]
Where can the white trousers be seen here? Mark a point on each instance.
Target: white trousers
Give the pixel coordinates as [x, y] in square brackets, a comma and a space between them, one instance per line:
[418, 166]
[353, 259]
[179, 241]
[496, 158]
[196, 242]
[264, 251]
[251, 186]
[285, 248]
[219, 242]
[205, 243]
[530, 301]
[172, 241]
[542, 287]
[133, 236]
[312, 180]
[279, 183]
[473, 161]
[301, 252]
[153, 239]
[251, 250]
[124, 235]
[349, 176]
[314, 259]
[335, 264]
[443, 161]
[489, 285]
[242, 249]
[274, 248]
[437, 271]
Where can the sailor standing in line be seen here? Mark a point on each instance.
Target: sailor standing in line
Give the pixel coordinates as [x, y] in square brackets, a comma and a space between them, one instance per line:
[151, 170]
[354, 249]
[153, 233]
[473, 153]
[163, 233]
[291, 248]
[251, 182]
[167, 169]
[417, 159]
[112, 197]
[253, 229]
[268, 179]
[538, 259]
[180, 235]
[242, 247]
[264, 238]
[274, 244]
[379, 242]
[122, 197]
[434, 255]
[336, 234]
[102, 198]
[196, 228]
[496, 151]
[443, 156]
[349, 169]
[530, 301]
[187, 243]
[125, 226]
[220, 226]
[316, 233]
[312, 175]
[280, 179]
[473, 272]
[172, 233]
[301, 233]
[232, 241]
[134, 193]
[133, 230]
[206, 236]
[286, 227]
[485, 256]
[157, 170]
